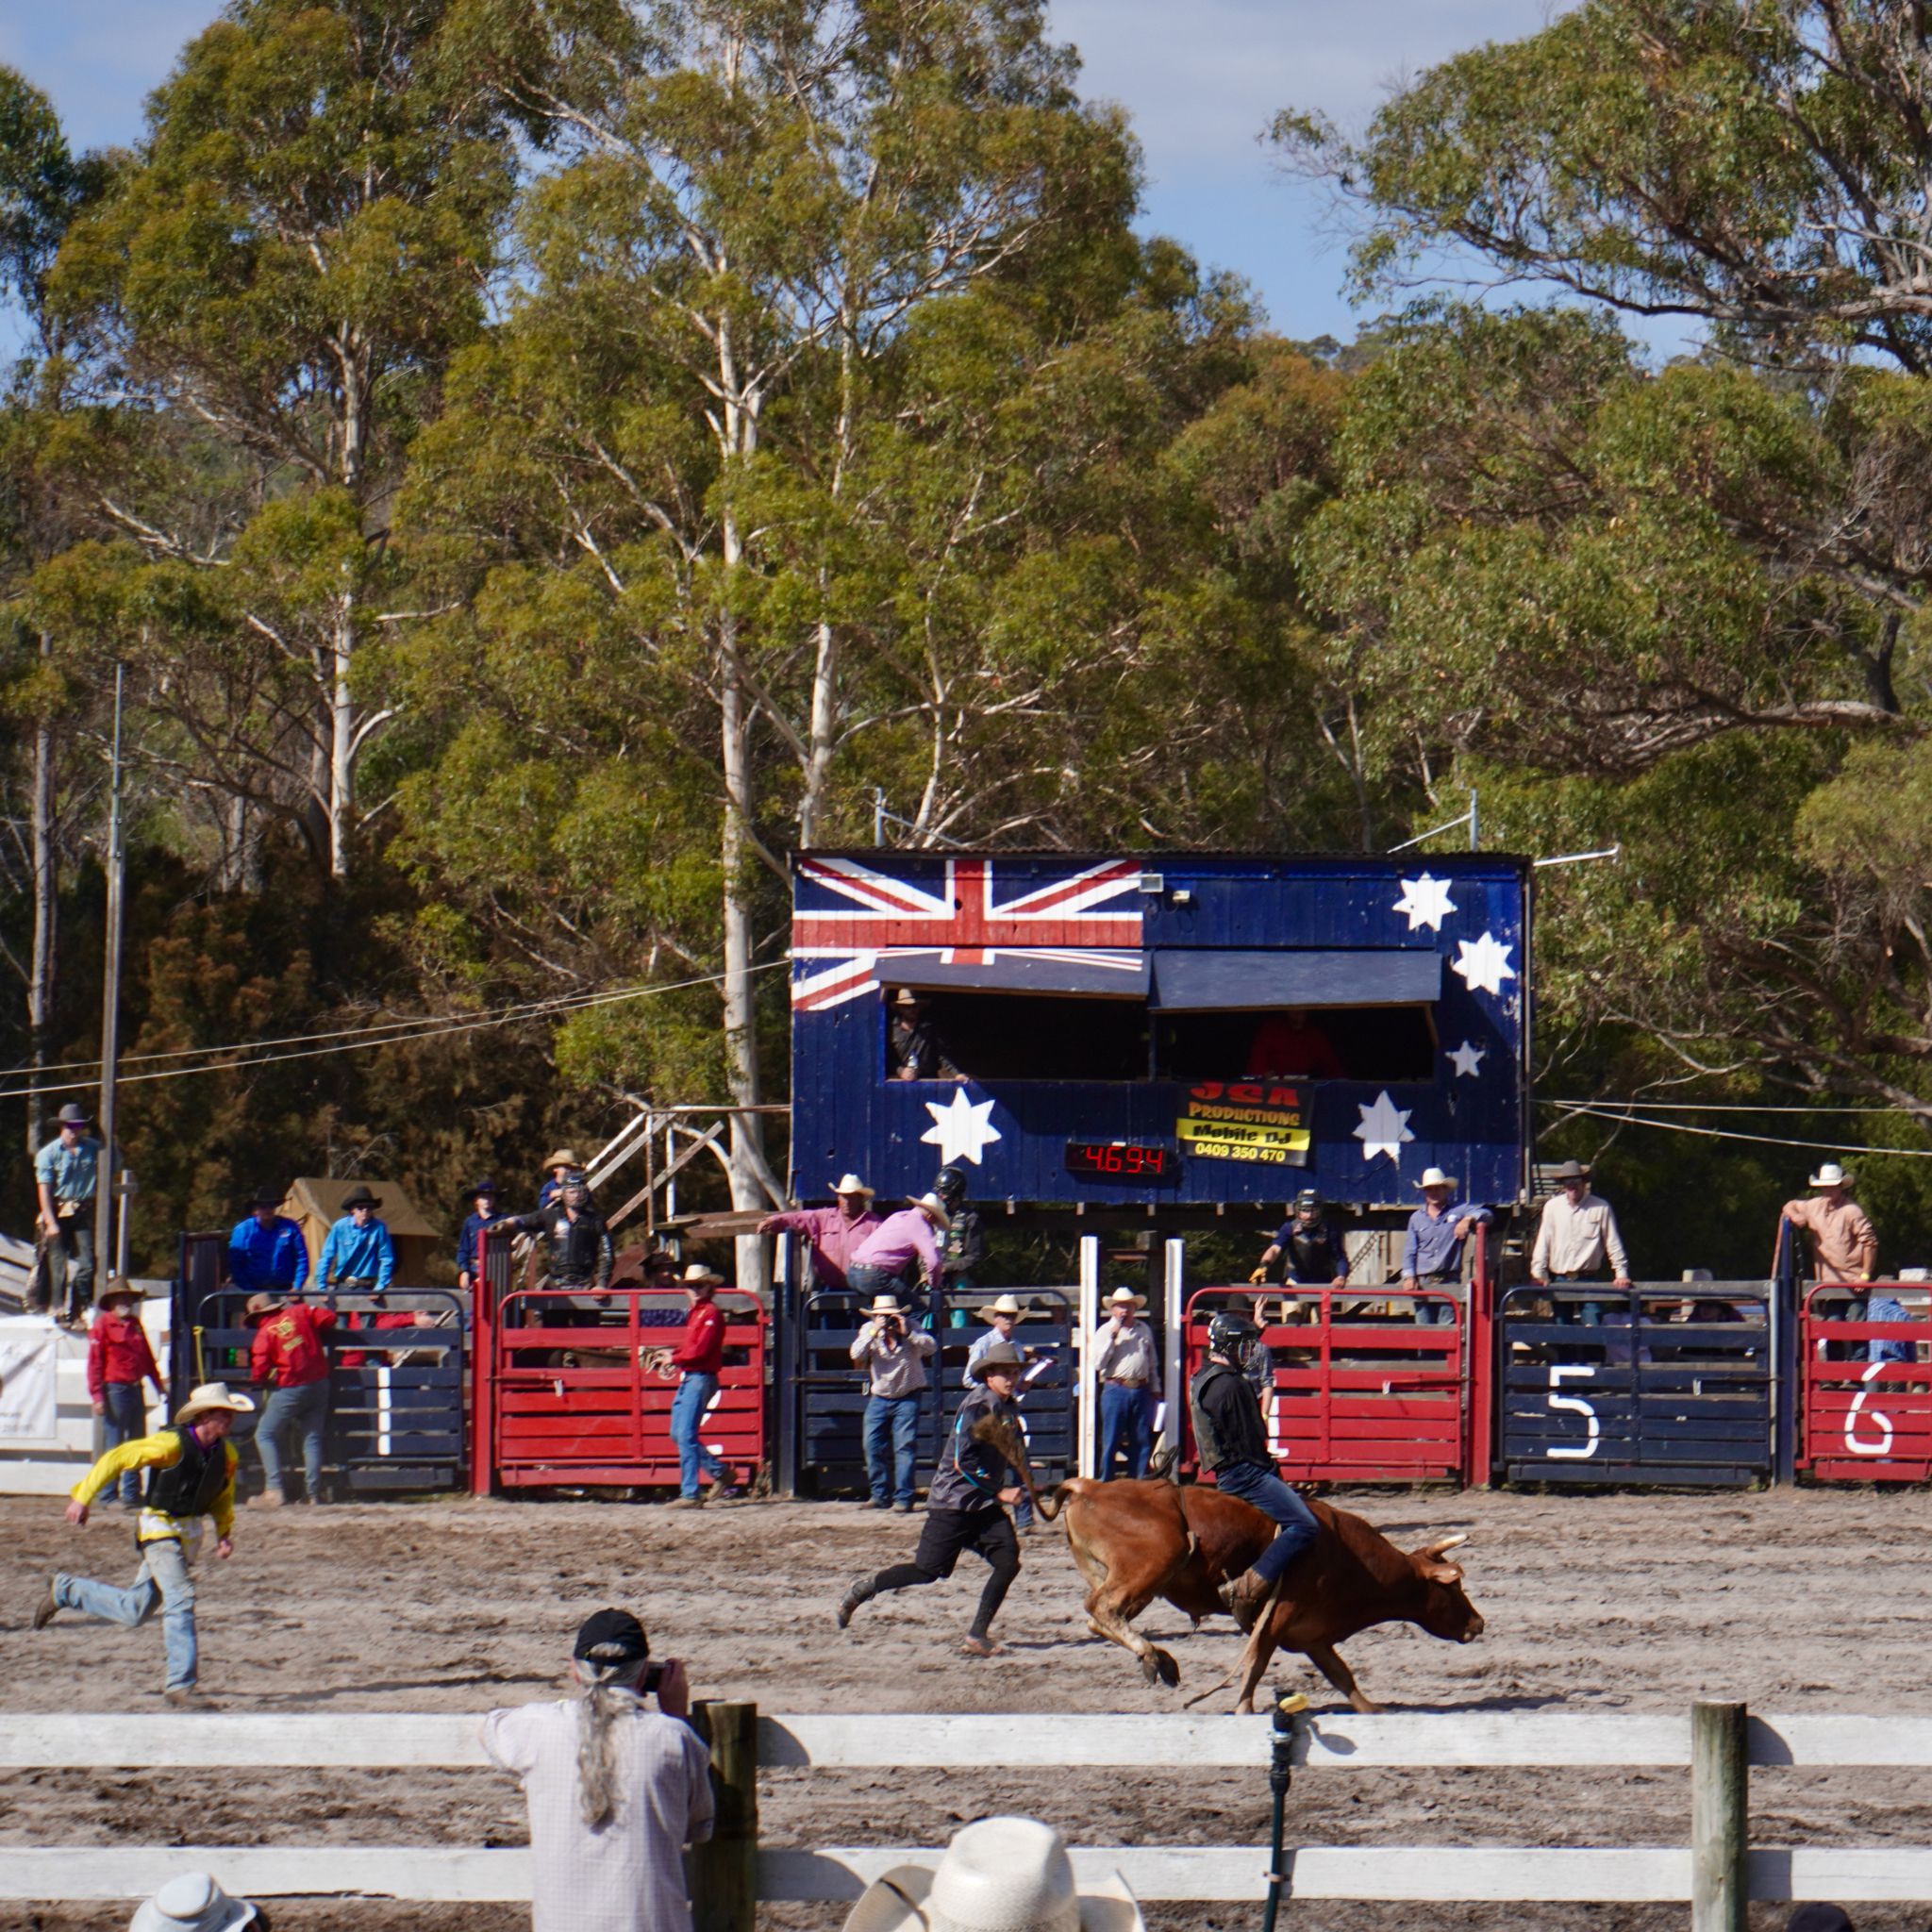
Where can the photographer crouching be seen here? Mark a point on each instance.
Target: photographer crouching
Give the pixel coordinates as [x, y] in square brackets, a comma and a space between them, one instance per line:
[616, 1791]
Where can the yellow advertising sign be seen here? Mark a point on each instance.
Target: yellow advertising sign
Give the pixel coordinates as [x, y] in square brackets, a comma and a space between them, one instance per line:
[1258, 1120]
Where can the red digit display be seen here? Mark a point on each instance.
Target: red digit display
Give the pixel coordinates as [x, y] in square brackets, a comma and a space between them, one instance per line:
[1120, 1159]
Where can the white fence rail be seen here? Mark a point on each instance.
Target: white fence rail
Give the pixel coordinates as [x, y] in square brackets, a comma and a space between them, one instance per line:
[1228, 1873]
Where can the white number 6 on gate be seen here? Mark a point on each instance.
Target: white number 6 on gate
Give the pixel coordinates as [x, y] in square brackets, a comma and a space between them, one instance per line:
[1574, 1404]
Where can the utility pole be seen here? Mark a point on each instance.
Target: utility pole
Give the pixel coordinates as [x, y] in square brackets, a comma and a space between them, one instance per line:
[107, 1190]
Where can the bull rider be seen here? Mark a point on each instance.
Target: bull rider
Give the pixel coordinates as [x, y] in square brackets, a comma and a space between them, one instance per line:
[1234, 1445]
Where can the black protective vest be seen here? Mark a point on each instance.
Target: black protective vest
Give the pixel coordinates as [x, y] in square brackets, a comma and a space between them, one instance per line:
[1314, 1255]
[1227, 1418]
[191, 1487]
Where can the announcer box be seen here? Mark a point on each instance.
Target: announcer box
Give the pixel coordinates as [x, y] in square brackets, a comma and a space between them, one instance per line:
[1173, 1031]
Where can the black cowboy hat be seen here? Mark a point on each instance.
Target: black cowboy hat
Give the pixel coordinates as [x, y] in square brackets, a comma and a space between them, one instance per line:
[361, 1198]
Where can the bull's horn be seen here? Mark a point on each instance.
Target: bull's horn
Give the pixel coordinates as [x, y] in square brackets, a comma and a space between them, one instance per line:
[1448, 1543]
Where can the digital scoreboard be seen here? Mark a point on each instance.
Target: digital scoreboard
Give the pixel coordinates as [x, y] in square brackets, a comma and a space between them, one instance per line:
[1116, 1160]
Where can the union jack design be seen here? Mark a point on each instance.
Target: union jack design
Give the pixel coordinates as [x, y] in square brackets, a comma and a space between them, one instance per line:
[848, 917]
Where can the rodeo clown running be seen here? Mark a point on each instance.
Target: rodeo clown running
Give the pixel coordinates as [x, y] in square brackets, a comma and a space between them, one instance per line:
[1234, 1445]
[964, 1509]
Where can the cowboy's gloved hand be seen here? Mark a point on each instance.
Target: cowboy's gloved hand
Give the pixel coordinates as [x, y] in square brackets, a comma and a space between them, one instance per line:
[1259, 1276]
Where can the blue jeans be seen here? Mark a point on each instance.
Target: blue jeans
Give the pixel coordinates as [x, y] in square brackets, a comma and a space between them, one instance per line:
[306, 1409]
[163, 1578]
[1576, 1314]
[1255, 1483]
[687, 1418]
[124, 1415]
[892, 1419]
[1127, 1424]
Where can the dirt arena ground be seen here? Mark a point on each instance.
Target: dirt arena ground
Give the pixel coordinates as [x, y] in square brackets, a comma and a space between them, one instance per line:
[1791, 1600]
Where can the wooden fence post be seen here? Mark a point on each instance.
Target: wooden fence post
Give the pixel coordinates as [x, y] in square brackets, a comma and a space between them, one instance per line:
[724, 1870]
[1720, 1821]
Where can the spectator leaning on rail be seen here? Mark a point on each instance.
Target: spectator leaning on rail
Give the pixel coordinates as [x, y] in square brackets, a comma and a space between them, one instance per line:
[882, 1259]
[699, 1358]
[119, 1361]
[615, 1791]
[1432, 1247]
[290, 1358]
[1234, 1445]
[997, 1874]
[1576, 1239]
[482, 1200]
[267, 1254]
[191, 1474]
[66, 1178]
[893, 1354]
[964, 1509]
[1126, 1366]
[1844, 1247]
[357, 1255]
[831, 1234]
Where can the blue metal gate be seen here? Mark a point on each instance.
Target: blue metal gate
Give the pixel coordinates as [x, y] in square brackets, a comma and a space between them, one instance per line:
[1653, 1385]
[829, 1405]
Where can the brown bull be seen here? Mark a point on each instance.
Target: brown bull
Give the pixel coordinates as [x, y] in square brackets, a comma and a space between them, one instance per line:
[1137, 1541]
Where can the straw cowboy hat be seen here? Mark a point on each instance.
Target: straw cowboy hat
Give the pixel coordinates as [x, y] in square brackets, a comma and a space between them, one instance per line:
[1830, 1174]
[999, 1874]
[1570, 1171]
[1122, 1296]
[884, 1304]
[562, 1158]
[260, 1304]
[934, 1209]
[1435, 1177]
[851, 1183]
[697, 1276]
[1004, 1305]
[191, 1903]
[1002, 1354]
[214, 1395]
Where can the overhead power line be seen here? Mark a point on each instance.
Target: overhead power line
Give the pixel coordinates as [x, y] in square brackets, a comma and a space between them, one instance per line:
[1631, 1120]
[1721, 1107]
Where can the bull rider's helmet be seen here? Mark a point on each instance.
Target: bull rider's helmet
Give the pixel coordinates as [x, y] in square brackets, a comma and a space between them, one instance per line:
[1307, 1202]
[1231, 1335]
[949, 1183]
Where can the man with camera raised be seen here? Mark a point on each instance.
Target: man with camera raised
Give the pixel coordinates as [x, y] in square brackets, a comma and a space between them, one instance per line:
[893, 1354]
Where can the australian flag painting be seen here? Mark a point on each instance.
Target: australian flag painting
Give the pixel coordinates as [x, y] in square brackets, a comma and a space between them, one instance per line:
[1073, 926]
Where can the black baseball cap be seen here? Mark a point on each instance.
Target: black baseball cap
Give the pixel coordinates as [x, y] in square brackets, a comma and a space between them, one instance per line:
[612, 1637]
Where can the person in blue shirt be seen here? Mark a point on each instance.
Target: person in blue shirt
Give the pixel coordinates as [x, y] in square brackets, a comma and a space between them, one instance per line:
[357, 1256]
[1880, 1348]
[559, 1164]
[482, 1212]
[267, 1254]
[1432, 1248]
[66, 1175]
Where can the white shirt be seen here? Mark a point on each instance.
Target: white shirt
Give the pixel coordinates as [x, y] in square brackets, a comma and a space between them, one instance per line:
[628, 1877]
[1127, 1353]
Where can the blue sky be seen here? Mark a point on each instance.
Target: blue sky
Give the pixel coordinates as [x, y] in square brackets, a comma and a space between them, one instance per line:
[1200, 79]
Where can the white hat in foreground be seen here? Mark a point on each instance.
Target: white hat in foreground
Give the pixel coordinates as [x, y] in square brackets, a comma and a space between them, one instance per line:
[1830, 1176]
[191, 1903]
[214, 1395]
[1000, 1875]
[1435, 1177]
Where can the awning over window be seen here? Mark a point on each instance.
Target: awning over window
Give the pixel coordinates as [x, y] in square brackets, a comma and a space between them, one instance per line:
[1118, 974]
[1213, 980]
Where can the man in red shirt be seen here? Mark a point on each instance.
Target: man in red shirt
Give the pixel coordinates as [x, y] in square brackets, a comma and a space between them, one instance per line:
[291, 1358]
[119, 1361]
[700, 1357]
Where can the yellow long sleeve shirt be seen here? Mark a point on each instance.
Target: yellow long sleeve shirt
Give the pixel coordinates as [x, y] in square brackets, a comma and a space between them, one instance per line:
[160, 1451]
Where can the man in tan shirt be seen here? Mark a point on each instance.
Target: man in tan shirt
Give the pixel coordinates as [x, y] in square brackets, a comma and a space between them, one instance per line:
[1577, 1240]
[1844, 1246]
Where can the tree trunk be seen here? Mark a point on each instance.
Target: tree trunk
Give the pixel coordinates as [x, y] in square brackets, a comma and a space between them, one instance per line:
[40, 985]
[342, 741]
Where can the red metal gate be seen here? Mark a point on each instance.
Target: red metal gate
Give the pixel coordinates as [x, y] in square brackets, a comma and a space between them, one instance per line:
[564, 1394]
[1366, 1388]
[1864, 1421]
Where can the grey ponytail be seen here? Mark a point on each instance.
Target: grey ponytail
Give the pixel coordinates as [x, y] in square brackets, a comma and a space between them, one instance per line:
[598, 1711]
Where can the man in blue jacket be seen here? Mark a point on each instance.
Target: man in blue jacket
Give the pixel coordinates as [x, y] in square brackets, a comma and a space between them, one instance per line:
[267, 1254]
[482, 1212]
[357, 1256]
[965, 1508]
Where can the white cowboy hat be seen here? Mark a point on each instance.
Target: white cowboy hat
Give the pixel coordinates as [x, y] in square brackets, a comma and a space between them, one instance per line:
[191, 1903]
[1830, 1174]
[851, 1183]
[1125, 1295]
[934, 1208]
[213, 1395]
[1435, 1177]
[999, 1874]
[884, 1304]
[1004, 1305]
[698, 1273]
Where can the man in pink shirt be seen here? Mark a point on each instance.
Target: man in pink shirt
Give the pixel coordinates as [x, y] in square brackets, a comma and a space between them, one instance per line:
[833, 1233]
[884, 1255]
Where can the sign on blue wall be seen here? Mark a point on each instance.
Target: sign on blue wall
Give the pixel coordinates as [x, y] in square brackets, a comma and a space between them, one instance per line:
[1179, 1028]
